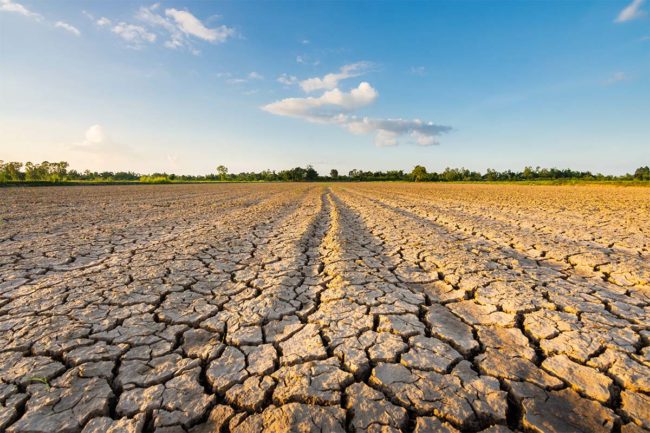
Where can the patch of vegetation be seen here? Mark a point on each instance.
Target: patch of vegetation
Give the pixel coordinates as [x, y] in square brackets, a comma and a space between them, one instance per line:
[47, 173]
[40, 379]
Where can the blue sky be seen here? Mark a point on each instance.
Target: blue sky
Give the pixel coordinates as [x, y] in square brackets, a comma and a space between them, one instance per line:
[184, 86]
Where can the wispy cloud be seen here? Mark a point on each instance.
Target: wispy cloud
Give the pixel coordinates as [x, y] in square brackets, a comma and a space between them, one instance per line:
[67, 27]
[287, 79]
[420, 71]
[177, 28]
[631, 12]
[136, 36]
[190, 25]
[304, 59]
[10, 6]
[616, 77]
[230, 79]
[330, 81]
[181, 26]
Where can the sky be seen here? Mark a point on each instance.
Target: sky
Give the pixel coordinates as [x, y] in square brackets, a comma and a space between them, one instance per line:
[184, 86]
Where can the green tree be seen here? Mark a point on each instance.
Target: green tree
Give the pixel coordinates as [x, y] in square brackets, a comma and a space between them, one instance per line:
[334, 173]
[310, 173]
[10, 171]
[642, 173]
[419, 173]
[222, 170]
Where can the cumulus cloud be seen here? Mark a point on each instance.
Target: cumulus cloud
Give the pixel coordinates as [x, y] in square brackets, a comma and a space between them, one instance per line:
[95, 135]
[335, 107]
[330, 81]
[10, 6]
[322, 108]
[95, 141]
[99, 147]
[103, 21]
[67, 27]
[631, 12]
[135, 35]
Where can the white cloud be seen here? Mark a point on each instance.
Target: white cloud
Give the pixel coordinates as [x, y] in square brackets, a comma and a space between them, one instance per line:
[99, 144]
[68, 27]
[287, 80]
[95, 140]
[334, 107]
[103, 21]
[135, 35]
[180, 26]
[322, 108]
[631, 12]
[330, 81]
[95, 135]
[255, 76]
[191, 25]
[9, 6]
[306, 60]
[388, 131]
[12, 7]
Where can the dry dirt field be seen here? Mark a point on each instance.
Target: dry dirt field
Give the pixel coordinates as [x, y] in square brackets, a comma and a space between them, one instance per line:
[315, 308]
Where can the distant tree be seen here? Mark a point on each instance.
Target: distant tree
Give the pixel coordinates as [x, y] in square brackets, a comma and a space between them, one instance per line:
[310, 173]
[355, 174]
[222, 170]
[642, 173]
[334, 173]
[419, 173]
[10, 171]
[528, 173]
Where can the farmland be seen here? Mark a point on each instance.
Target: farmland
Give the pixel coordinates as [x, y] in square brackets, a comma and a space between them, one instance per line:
[358, 307]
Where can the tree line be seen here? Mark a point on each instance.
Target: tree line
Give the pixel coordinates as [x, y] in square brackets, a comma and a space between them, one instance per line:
[15, 172]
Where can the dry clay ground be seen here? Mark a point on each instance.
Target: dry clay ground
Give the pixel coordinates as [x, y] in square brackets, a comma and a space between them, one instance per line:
[314, 308]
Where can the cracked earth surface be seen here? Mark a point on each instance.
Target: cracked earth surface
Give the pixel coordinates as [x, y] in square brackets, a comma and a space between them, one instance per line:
[370, 308]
